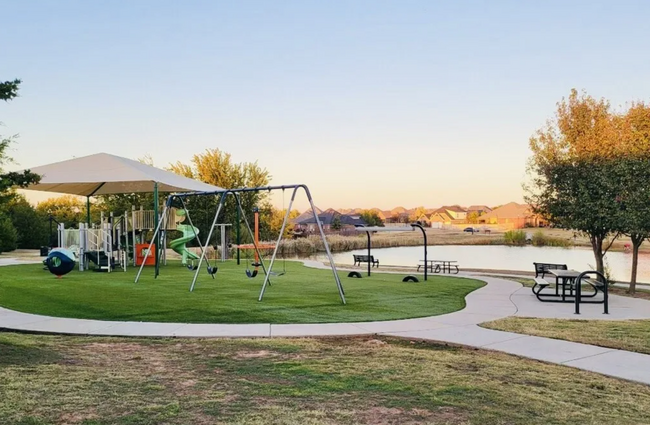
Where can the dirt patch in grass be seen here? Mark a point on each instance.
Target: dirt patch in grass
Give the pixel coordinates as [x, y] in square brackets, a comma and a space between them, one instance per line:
[630, 335]
[394, 416]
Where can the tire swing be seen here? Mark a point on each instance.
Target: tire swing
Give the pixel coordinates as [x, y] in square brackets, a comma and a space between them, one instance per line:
[410, 278]
[355, 275]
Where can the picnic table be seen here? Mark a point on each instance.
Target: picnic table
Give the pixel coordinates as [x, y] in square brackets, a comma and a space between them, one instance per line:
[431, 264]
[446, 265]
[575, 280]
[564, 278]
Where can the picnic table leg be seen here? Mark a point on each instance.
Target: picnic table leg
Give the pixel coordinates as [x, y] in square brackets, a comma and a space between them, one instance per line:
[557, 285]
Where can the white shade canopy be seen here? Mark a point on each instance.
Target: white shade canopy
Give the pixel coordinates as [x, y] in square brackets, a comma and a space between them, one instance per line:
[106, 174]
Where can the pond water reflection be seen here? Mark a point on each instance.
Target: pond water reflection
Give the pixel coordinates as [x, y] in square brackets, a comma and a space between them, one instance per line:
[506, 258]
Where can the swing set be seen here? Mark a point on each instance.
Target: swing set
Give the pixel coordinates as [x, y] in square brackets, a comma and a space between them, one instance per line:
[222, 195]
[261, 246]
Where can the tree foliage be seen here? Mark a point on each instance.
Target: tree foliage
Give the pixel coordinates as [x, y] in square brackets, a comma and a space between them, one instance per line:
[336, 223]
[8, 91]
[371, 218]
[587, 171]
[32, 229]
[217, 168]
[10, 180]
[275, 223]
[69, 210]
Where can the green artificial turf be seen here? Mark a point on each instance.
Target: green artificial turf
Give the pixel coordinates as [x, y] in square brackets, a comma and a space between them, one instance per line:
[302, 295]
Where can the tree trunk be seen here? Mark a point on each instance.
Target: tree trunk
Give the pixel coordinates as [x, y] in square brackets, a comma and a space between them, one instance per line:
[637, 240]
[597, 247]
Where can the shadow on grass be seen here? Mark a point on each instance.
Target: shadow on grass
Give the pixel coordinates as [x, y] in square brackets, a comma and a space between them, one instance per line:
[12, 354]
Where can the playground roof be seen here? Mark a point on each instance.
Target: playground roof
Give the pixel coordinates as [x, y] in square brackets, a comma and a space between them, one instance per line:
[106, 174]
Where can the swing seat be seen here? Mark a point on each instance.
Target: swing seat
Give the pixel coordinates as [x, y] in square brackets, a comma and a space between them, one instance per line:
[212, 271]
[191, 267]
[251, 274]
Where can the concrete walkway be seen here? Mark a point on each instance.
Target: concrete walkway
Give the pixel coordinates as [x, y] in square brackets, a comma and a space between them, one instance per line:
[498, 299]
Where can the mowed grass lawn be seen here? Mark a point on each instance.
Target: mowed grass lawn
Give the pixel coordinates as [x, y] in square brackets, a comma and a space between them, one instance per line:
[49, 380]
[302, 295]
[630, 335]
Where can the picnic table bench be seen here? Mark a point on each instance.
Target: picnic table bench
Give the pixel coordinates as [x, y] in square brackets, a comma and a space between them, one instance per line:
[437, 266]
[431, 264]
[544, 268]
[574, 280]
[358, 259]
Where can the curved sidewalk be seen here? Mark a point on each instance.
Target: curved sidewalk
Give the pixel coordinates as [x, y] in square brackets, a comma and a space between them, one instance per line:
[498, 299]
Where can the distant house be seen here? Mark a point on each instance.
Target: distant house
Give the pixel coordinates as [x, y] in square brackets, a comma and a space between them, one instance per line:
[305, 215]
[308, 222]
[479, 209]
[441, 217]
[449, 214]
[513, 216]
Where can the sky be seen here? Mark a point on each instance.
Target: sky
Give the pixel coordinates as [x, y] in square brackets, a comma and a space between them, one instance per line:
[370, 103]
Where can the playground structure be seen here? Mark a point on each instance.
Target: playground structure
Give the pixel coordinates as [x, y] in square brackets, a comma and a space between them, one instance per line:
[222, 195]
[114, 242]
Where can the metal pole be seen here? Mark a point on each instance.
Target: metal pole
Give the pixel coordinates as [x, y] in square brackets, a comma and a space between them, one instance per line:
[164, 214]
[216, 216]
[88, 210]
[368, 233]
[237, 237]
[196, 234]
[126, 238]
[327, 248]
[156, 236]
[424, 234]
[223, 242]
[277, 245]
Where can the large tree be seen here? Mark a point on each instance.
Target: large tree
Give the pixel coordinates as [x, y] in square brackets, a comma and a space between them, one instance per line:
[633, 153]
[571, 183]
[9, 180]
[371, 218]
[67, 209]
[31, 227]
[217, 168]
[8, 91]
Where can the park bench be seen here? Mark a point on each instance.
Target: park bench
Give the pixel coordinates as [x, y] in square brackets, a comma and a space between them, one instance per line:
[543, 268]
[358, 259]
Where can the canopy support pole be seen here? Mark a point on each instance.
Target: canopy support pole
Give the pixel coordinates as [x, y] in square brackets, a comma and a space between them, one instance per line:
[88, 210]
[156, 224]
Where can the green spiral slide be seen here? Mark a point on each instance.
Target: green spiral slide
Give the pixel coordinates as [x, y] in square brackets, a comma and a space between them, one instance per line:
[179, 245]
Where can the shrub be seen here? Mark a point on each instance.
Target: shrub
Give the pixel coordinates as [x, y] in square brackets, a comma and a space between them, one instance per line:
[515, 237]
[31, 227]
[539, 239]
[8, 235]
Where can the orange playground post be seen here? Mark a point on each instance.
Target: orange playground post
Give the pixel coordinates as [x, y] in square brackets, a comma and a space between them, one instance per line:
[256, 211]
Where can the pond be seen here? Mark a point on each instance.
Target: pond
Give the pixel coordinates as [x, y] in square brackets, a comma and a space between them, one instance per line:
[506, 258]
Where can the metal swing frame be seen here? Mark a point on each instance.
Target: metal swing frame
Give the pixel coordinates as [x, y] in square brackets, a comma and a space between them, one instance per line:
[223, 194]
